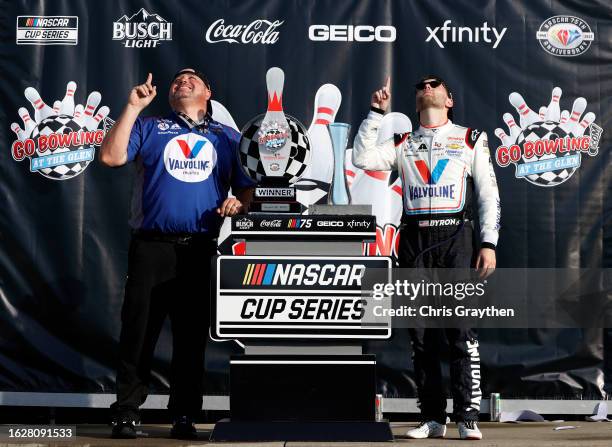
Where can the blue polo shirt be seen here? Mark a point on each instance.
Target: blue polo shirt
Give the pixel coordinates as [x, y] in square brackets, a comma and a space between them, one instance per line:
[183, 174]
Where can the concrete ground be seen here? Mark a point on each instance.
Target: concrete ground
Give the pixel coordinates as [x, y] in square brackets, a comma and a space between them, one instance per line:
[591, 434]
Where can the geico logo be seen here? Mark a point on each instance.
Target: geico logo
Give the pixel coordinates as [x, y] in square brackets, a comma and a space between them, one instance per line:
[303, 309]
[330, 223]
[317, 274]
[350, 33]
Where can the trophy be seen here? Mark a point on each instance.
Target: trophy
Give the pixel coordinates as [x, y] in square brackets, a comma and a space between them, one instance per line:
[275, 151]
[339, 191]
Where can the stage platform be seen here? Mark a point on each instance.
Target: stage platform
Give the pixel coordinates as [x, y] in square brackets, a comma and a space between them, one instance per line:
[587, 434]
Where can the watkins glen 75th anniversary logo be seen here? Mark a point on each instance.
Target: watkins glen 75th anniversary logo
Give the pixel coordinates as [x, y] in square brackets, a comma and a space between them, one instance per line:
[60, 141]
[547, 147]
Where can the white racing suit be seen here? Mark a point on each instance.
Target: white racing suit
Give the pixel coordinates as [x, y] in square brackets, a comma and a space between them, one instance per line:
[439, 168]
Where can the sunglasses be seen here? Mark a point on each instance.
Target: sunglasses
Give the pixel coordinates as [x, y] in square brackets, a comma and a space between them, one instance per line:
[433, 84]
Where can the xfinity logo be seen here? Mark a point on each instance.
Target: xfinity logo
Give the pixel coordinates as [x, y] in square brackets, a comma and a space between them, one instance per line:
[446, 33]
[358, 224]
[350, 33]
[258, 31]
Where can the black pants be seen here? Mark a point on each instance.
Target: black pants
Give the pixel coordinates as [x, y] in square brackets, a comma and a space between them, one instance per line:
[443, 247]
[165, 279]
[607, 355]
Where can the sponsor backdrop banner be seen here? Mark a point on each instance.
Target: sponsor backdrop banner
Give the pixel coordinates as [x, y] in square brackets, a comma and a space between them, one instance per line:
[534, 75]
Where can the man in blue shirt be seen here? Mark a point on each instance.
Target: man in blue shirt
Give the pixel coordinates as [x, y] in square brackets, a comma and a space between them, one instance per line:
[186, 164]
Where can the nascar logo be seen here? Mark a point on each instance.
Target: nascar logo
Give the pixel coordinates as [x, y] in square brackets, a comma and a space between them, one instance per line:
[299, 223]
[301, 274]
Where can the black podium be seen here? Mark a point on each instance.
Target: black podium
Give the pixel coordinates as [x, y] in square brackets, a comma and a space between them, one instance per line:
[295, 301]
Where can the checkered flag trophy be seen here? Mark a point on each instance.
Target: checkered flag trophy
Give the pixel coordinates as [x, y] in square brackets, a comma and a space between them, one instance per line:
[274, 151]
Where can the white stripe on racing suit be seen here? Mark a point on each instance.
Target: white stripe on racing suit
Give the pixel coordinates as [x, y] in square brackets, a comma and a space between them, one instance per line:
[435, 165]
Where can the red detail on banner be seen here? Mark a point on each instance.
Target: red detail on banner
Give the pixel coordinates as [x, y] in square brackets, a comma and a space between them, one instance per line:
[387, 242]
[255, 274]
[378, 175]
[262, 270]
[325, 110]
[423, 170]
[320, 121]
[397, 189]
[275, 103]
[239, 248]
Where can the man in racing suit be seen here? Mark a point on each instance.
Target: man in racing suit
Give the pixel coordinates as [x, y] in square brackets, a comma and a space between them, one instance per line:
[440, 164]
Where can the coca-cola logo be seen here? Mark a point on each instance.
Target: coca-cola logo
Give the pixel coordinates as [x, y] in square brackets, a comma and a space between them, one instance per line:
[271, 223]
[258, 31]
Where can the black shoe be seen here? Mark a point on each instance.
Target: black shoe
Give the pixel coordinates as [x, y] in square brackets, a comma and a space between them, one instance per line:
[124, 429]
[184, 428]
[124, 423]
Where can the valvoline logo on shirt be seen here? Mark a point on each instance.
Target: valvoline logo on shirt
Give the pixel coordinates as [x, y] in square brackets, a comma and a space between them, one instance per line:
[431, 178]
[190, 158]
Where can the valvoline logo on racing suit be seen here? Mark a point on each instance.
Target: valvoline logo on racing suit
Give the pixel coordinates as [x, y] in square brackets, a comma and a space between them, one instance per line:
[430, 179]
[268, 274]
[190, 158]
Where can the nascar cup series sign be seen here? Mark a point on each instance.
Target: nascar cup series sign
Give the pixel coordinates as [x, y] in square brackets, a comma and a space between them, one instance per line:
[295, 297]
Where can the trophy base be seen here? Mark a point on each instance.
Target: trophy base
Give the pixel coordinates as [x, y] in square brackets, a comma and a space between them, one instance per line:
[276, 207]
[275, 195]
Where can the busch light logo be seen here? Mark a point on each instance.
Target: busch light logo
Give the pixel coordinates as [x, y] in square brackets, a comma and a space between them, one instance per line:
[547, 147]
[60, 141]
[190, 158]
[142, 30]
[565, 36]
[259, 31]
[244, 224]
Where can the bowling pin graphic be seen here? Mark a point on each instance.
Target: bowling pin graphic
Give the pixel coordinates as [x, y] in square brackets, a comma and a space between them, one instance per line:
[574, 118]
[222, 115]
[527, 116]
[28, 123]
[553, 111]
[327, 102]
[505, 139]
[93, 122]
[581, 127]
[563, 117]
[67, 107]
[41, 110]
[57, 105]
[18, 131]
[92, 102]
[542, 113]
[78, 111]
[514, 130]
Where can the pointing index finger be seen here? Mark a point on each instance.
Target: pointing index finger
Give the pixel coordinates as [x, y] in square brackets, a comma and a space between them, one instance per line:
[149, 79]
[388, 83]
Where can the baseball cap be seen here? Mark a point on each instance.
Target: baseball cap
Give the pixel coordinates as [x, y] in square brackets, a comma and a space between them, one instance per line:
[204, 79]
